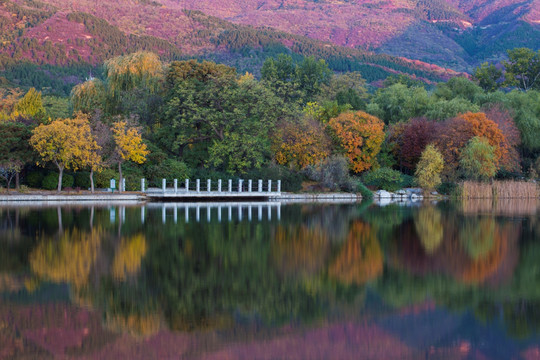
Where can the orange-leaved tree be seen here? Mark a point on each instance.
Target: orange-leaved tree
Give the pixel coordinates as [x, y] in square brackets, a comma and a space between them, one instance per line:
[484, 127]
[360, 259]
[68, 143]
[454, 134]
[361, 136]
[129, 146]
[301, 143]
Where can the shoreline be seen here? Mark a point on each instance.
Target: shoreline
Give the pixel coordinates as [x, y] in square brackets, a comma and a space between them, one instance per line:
[137, 197]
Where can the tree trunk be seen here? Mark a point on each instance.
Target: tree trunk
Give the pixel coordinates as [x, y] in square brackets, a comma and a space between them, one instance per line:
[92, 180]
[61, 169]
[17, 181]
[121, 178]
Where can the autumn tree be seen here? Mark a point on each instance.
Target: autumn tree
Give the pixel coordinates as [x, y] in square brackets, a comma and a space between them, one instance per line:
[30, 105]
[361, 136]
[478, 159]
[415, 136]
[133, 81]
[454, 134]
[299, 143]
[512, 137]
[129, 145]
[429, 168]
[8, 100]
[89, 96]
[67, 143]
[140, 69]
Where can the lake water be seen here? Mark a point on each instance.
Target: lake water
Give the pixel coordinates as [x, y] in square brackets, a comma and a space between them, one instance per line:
[271, 281]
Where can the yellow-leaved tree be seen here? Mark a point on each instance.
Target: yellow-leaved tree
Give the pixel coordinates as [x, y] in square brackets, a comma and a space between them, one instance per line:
[129, 146]
[429, 168]
[68, 143]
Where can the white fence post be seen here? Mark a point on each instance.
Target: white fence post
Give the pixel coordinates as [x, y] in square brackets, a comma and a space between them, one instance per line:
[279, 186]
[208, 185]
[142, 185]
[219, 185]
[175, 186]
[164, 184]
[269, 185]
[260, 185]
[240, 185]
[198, 185]
[250, 183]
[230, 185]
[187, 184]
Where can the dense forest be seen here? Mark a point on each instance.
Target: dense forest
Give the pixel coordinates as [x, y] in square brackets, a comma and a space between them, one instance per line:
[300, 122]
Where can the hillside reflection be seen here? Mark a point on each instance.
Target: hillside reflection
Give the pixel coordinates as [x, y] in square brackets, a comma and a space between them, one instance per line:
[232, 268]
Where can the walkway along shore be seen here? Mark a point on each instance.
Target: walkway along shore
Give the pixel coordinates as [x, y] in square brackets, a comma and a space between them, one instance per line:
[15, 197]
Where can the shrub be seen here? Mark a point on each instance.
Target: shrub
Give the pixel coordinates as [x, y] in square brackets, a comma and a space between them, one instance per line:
[34, 179]
[447, 188]
[24, 189]
[50, 182]
[290, 180]
[363, 190]
[169, 169]
[384, 179]
[332, 173]
[103, 178]
[82, 179]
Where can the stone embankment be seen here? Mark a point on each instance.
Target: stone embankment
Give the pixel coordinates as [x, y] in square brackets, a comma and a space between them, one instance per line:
[41, 198]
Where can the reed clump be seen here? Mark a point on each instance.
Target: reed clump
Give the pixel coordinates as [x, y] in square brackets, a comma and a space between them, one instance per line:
[499, 190]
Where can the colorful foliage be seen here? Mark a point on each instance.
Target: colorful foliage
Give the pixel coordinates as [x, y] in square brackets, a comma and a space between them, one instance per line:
[301, 143]
[360, 259]
[429, 168]
[478, 160]
[68, 143]
[454, 134]
[416, 135]
[361, 136]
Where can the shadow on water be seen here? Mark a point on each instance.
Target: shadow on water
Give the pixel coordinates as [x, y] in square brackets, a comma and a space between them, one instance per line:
[269, 280]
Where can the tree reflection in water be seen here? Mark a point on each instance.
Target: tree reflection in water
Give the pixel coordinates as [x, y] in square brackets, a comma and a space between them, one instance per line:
[215, 275]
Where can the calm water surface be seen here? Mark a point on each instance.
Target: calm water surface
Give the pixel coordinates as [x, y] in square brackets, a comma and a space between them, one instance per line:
[270, 281]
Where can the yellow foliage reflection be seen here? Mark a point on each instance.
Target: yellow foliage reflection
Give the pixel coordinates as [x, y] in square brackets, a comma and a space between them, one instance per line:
[69, 259]
[134, 324]
[360, 259]
[128, 258]
[429, 227]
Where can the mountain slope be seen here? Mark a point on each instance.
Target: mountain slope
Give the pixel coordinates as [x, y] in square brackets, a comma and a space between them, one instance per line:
[63, 32]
